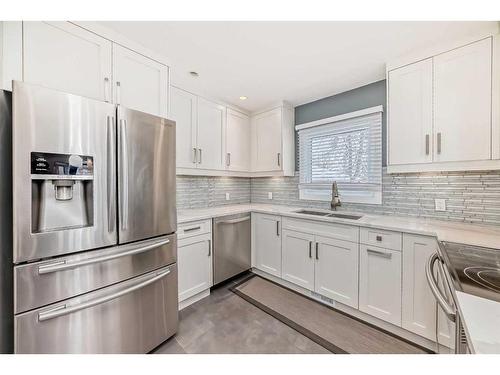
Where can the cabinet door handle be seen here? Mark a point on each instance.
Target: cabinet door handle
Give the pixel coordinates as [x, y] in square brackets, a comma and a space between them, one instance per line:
[228, 159]
[279, 159]
[199, 156]
[427, 144]
[379, 253]
[195, 156]
[209, 248]
[317, 251]
[278, 228]
[439, 143]
[118, 92]
[106, 89]
[310, 249]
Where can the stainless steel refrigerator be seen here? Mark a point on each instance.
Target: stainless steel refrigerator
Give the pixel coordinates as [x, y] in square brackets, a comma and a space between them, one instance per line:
[94, 221]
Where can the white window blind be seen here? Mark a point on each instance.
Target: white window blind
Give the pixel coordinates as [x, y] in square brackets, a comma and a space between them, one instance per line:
[349, 152]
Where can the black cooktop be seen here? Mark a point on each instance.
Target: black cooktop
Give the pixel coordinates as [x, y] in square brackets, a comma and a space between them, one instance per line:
[474, 269]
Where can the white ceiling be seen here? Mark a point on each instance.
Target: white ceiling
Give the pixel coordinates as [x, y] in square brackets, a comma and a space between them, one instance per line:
[294, 61]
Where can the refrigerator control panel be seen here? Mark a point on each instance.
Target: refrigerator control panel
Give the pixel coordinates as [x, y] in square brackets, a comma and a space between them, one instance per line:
[61, 164]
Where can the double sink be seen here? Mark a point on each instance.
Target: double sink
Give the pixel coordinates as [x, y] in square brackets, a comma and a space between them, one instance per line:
[329, 214]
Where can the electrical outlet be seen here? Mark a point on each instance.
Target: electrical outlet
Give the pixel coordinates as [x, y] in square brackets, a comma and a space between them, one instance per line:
[227, 196]
[270, 195]
[440, 204]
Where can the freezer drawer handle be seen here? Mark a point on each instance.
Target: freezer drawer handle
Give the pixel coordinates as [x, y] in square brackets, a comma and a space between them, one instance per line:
[64, 310]
[234, 221]
[431, 280]
[64, 265]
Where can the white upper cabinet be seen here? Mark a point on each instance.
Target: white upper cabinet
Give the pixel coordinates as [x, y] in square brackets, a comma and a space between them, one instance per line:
[267, 141]
[139, 82]
[237, 141]
[183, 112]
[444, 110]
[273, 142]
[462, 103]
[410, 113]
[11, 53]
[65, 57]
[211, 128]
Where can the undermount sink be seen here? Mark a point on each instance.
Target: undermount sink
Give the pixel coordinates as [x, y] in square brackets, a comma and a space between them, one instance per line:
[329, 214]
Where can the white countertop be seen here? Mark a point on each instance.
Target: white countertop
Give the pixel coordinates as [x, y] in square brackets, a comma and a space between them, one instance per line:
[481, 317]
[470, 234]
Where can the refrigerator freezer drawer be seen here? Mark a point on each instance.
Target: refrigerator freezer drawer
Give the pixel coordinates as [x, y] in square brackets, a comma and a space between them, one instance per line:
[45, 282]
[134, 316]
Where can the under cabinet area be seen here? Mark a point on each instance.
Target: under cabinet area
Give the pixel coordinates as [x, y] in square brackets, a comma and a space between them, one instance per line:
[194, 260]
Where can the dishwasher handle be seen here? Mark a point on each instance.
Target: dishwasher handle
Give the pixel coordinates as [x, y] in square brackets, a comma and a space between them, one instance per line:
[234, 221]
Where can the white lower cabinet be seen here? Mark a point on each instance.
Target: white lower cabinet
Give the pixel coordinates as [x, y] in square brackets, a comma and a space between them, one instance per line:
[336, 270]
[298, 259]
[266, 243]
[380, 283]
[194, 262]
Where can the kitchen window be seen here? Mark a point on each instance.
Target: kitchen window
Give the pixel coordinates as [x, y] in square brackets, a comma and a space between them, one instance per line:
[346, 149]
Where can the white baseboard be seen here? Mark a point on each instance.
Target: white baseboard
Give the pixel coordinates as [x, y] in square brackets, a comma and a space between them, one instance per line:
[197, 297]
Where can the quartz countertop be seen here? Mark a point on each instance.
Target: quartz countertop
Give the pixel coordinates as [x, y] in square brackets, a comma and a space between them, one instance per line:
[470, 234]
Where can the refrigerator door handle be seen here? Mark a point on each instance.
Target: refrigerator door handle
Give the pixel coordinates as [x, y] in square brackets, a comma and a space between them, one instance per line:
[64, 265]
[111, 172]
[65, 310]
[124, 174]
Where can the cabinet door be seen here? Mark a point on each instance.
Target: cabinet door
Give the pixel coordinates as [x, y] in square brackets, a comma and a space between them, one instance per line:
[266, 145]
[211, 125]
[410, 114]
[336, 270]
[462, 103]
[297, 260]
[194, 261]
[11, 53]
[380, 283]
[139, 82]
[419, 305]
[65, 57]
[266, 243]
[237, 141]
[183, 112]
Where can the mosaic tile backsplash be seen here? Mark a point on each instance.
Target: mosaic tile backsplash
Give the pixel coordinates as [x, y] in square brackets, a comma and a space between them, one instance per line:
[470, 196]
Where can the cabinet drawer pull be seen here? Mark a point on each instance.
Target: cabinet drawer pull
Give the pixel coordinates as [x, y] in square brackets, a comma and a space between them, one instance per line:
[379, 253]
[192, 229]
[379, 238]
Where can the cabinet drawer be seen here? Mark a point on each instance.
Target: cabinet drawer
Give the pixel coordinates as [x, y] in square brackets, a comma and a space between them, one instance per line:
[331, 230]
[194, 228]
[381, 238]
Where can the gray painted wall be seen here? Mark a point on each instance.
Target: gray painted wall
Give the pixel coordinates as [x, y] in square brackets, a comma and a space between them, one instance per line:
[353, 100]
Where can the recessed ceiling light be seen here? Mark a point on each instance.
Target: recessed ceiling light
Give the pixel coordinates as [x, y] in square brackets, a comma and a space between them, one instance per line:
[243, 98]
[194, 74]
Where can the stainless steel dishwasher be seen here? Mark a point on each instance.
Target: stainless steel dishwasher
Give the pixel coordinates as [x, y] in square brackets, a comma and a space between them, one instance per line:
[232, 252]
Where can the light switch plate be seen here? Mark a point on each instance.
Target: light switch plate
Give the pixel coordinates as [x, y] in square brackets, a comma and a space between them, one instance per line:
[440, 204]
[270, 195]
[227, 196]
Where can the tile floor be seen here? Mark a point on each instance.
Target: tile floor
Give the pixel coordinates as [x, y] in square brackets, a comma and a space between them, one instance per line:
[225, 323]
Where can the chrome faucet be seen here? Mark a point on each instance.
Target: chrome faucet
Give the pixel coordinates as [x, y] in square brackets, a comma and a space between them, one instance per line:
[335, 196]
